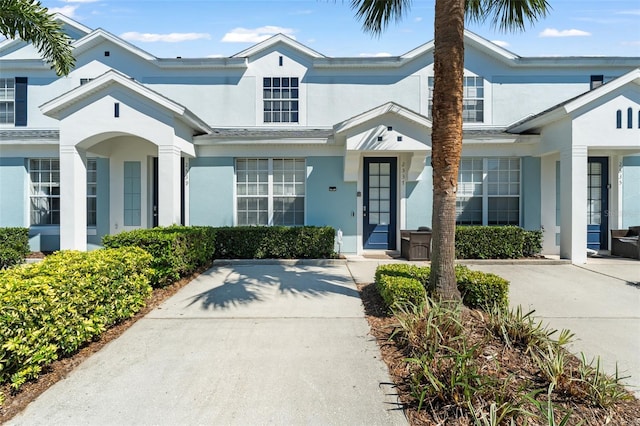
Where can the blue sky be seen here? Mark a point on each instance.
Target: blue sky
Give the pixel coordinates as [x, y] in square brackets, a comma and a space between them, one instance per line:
[210, 28]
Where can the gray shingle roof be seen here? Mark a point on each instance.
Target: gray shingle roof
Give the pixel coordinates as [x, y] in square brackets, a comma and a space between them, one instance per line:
[13, 134]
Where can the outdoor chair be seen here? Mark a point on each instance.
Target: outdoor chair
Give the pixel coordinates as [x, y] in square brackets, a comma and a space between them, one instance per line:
[624, 242]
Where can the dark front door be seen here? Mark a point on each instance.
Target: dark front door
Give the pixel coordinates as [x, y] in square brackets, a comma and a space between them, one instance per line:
[597, 203]
[379, 203]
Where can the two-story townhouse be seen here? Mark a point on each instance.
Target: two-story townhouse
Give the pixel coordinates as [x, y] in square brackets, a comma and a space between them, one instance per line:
[280, 134]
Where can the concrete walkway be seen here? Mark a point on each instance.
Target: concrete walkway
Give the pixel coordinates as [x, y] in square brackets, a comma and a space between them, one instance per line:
[243, 344]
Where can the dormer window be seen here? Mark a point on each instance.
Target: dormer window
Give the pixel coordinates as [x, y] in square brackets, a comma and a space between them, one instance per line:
[473, 99]
[280, 99]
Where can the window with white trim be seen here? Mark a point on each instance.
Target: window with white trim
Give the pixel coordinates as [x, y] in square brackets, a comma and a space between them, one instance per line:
[44, 194]
[280, 97]
[7, 100]
[92, 191]
[488, 191]
[472, 102]
[270, 191]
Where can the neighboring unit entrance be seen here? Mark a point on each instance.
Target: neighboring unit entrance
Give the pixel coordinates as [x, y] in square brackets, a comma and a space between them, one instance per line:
[597, 203]
[379, 204]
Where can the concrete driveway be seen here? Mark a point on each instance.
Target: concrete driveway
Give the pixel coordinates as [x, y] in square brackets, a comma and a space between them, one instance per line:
[599, 302]
[243, 344]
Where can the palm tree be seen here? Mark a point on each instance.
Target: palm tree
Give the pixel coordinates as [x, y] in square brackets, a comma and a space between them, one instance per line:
[33, 23]
[446, 134]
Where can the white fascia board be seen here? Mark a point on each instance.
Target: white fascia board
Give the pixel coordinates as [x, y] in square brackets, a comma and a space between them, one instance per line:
[112, 77]
[99, 35]
[24, 64]
[72, 23]
[579, 102]
[274, 40]
[208, 140]
[389, 107]
[631, 77]
[201, 63]
[490, 48]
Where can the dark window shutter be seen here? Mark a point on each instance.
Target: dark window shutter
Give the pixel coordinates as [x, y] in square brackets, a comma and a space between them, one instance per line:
[21, 101]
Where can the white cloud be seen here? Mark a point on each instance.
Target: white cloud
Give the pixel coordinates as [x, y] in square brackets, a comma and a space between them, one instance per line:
[80, 1]
[255, 35]
[168, 38]
[418, 19]
[552, 32]
[629, 12]
[68, 11]
[375, 55]
[500, 43]
[631, 43]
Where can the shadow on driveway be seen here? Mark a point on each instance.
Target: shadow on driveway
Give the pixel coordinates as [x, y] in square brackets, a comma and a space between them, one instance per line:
[234, 286]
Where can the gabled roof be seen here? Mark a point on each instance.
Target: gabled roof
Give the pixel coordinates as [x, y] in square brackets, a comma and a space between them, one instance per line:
[6, 44]
[372, 114]
[98, 36]
[278, 39]
[425, 49]
[55, 106]
[562, 109]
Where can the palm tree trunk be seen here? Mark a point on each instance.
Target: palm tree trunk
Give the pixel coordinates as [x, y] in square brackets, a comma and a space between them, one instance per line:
[446, 139]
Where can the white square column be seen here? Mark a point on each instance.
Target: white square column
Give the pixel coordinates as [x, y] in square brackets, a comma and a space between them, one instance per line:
[573, 204]
[73, 199]
[169, 185]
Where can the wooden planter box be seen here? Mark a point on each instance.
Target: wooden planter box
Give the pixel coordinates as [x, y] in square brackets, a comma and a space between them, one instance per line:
[415, 245]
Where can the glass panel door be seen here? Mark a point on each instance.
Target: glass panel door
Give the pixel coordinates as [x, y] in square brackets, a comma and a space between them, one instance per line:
[379, 208]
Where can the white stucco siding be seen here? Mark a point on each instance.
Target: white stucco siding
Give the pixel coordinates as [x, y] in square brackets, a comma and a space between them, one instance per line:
[92, 120]
[220, 101]
[595, 125]
[514, 97]
[332, 99]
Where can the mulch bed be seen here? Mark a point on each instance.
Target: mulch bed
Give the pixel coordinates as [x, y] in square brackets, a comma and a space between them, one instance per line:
[512, 362]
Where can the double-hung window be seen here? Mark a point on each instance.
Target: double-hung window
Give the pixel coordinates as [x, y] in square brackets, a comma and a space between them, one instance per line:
[472, 101]
[270, 191]
[44, 194]
[280, 97]
[7, 100]
[488, 191]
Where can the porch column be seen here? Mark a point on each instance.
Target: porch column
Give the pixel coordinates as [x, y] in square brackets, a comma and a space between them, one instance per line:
[73, 198]
[573, 202]
[169, 182]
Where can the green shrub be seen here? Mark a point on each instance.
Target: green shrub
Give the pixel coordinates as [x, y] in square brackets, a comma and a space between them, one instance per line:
[275, 242]
[177, 250]
[396, 284]
[489, 242]
[532, 243]
[404, 270]
[399, 290]
[481, 290]
[53, 307]
[14, 246]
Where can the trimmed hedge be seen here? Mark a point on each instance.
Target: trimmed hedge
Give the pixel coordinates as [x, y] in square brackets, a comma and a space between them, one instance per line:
[397, 289]
[275, 242]
[54, 307]
[14, 246]
[177, 250]
[496, 242]
[482, 290]
[399, 283]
